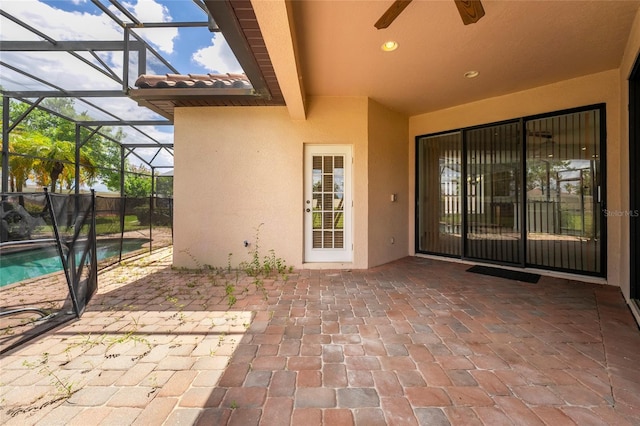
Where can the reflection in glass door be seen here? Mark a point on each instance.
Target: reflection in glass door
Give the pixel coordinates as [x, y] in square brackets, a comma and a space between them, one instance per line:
[493, 169]
[526, 193]
[439, 225]
[564, 192]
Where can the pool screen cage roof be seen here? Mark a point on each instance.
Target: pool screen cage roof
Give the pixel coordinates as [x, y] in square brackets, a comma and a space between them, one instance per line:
[96, 57]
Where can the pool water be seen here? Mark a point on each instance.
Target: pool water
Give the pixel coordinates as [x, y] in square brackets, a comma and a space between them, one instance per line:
[22, 265]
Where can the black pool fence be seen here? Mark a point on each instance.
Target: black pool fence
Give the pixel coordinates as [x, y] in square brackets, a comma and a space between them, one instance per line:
[73, 236]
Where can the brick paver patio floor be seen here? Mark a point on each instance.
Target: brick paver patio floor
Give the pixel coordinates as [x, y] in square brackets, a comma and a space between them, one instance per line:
[414, 342]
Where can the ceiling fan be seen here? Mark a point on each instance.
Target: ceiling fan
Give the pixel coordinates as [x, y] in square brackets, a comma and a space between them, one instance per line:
[470, 11]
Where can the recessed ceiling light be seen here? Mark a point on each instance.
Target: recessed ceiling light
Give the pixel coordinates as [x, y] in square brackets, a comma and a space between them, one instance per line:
[471, 74]
[389, 46]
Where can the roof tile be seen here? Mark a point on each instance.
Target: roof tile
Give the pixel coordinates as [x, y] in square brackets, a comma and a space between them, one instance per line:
[219, 81]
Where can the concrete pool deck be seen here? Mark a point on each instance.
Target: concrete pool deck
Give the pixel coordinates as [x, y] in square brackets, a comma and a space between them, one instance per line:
[416, 341]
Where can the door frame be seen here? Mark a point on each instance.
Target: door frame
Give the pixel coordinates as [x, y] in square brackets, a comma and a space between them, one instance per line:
[602, 196]
[344, 255]
[634, 181]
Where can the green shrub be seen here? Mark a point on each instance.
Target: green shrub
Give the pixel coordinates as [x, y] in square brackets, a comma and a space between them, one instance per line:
[160, 217]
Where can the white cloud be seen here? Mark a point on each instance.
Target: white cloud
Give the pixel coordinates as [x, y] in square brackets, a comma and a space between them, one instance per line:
[64, 25]
[60, 24]
[151, 11]
[59, 69]
[217, 57]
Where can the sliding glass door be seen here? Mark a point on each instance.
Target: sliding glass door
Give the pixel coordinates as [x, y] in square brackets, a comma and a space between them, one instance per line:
[564, 192]
[493, 176]
[527, 192]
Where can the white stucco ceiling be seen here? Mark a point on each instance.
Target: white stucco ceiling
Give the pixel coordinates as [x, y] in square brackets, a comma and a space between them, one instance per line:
[515, 46]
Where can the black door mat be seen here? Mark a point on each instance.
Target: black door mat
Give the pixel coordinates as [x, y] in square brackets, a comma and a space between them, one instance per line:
[505, 273]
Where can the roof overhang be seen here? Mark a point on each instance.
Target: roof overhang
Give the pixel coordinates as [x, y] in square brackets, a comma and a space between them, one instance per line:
[261, 36]
[278, 32]
[163, 101]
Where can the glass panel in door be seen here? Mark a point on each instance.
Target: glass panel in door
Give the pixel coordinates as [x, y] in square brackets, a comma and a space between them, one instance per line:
[328, 201]
[327, 209]
[563, 192]
[440, 194]
[493, 193]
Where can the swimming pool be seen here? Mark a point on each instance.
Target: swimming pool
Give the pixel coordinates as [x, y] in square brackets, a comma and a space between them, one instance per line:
[22, 265]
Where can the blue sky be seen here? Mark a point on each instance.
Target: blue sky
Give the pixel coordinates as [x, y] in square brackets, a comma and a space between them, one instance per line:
[190, 50]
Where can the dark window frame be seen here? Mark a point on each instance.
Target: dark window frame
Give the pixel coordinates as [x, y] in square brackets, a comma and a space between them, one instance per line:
[601, 108]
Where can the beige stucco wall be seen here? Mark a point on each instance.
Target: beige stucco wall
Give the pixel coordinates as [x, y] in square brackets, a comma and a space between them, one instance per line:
[238, 167]
[602, 87]
[388, 169]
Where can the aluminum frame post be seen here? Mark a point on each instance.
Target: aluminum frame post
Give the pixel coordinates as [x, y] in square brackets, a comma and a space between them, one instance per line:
[77, 161]
[5, 143]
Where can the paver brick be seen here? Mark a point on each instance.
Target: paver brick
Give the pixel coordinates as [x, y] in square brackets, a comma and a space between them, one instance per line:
[309, 378]
[298, 363]
[213, 416]
[306, 416]
[398, 411]
[121, 416]
[315, 398]
[517, 411]
[245, 397]
[469, 396]
[413, 341]
[277, 411]
[234, 375]
[427, 397]
[282, 384]
[552, 415]
[258, 378]
[176, 363]
[200, 397]
[95, 415]
[368, 363]
[269, 363]
[433, 374]
[183, 416]
[458, 415]
[337, 416]
[155, 412]
[360, 378]
[135, 374]
[132, 396]
[334, 376]
[358, 397]
[92, 395]
[369, 416]
[178, 383]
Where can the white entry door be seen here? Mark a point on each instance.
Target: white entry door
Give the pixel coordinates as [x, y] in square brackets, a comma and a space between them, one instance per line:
[327, 203]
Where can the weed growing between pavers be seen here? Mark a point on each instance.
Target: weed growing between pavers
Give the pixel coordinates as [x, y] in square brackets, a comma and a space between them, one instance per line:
[112, 339]
[64, 389]
[104, 348]
[258, 268]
